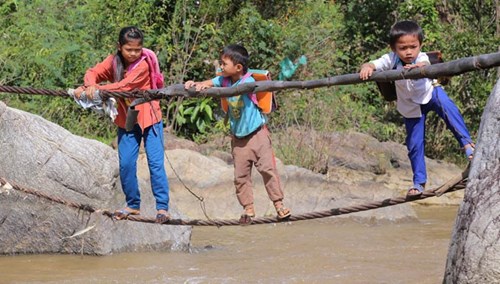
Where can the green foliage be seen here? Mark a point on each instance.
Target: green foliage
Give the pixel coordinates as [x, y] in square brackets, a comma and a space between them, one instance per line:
[319, 44]
[258, 35]
[44, 48]
[192, 116]
[39, 55]
[365, 29]
[426, 14]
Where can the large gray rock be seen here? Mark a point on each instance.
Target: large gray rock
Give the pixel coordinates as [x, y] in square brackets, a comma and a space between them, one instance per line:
[43, 156]
[356, 158]
[211, 178]
[52, 160]
[474, 254]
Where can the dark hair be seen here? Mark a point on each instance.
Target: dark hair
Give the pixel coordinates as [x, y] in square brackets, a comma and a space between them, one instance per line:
[126, 35]
[403, 28]
[237, 54]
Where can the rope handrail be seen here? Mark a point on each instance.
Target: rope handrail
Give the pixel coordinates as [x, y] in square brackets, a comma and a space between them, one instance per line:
[64, 93]
[454, 184]
[446, 69]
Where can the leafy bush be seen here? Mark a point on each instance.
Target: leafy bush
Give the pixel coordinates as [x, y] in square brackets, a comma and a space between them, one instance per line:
[44, 48]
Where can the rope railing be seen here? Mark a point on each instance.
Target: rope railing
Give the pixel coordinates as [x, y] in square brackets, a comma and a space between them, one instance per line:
[457, 183]
[63, 93]
[446, 69]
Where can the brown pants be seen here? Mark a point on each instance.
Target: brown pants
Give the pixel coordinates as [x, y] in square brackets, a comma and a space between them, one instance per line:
[255, 149]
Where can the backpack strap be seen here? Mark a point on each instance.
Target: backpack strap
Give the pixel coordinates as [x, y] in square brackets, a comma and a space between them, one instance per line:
[157, 80]
[225, 80]
[225, 83]
[133, 65]
[252, 97]
[396, 61]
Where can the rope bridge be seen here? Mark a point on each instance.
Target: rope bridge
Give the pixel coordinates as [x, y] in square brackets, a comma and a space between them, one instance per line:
[447, 69]
[457, 183]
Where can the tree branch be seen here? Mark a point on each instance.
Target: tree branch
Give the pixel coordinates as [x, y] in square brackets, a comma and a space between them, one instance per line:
[447, 69]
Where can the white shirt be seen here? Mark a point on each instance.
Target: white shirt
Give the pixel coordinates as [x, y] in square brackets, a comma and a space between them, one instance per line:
[411, 93]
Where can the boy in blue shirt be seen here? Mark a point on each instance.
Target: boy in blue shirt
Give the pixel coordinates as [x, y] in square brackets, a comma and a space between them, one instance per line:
[415, 98]
[251, 140]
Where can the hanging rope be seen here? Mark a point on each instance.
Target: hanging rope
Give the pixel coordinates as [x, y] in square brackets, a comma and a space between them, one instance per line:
[454, 184]
[200, 198]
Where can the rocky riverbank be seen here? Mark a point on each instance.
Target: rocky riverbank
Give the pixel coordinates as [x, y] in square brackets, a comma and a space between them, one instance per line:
[43, 156]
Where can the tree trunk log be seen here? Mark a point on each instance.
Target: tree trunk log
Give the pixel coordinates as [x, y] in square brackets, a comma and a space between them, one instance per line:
[474, 253]
[447, 69]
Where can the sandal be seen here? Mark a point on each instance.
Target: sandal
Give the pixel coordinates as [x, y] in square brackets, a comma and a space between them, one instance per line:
[415, 191]
[248, 214]
[283, 213]
[469, 151]
[162, 216]
[122, 214]
[246, 219]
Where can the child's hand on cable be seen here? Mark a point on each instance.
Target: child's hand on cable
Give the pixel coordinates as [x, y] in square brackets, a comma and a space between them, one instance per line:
[78, 92]
[89, 91]
[189, 84]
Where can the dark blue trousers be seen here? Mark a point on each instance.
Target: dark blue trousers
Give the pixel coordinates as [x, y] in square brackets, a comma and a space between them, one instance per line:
[415, 131]
[128, 152]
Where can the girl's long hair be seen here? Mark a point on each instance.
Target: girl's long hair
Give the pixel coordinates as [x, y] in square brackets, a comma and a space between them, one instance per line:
[126, 35]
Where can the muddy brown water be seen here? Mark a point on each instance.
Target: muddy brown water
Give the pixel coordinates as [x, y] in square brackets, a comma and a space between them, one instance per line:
[330, 250]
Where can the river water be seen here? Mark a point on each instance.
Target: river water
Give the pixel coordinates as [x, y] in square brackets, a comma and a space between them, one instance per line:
[330, 250]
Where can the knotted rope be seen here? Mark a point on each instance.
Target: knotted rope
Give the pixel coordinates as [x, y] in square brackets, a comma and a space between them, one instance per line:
[454, 184]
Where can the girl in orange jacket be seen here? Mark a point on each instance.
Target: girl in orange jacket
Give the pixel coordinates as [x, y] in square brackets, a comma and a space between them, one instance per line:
[128, 70]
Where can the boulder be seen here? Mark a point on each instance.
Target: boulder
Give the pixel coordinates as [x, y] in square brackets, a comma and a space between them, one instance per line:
[43, 156]
[46, 158]
[474, 253]
[193, 176]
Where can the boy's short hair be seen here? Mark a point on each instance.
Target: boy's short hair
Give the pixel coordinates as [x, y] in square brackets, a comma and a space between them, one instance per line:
[237, 54]
[403, 28]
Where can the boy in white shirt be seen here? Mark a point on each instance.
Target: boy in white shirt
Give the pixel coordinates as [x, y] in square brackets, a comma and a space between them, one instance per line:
[415, 98]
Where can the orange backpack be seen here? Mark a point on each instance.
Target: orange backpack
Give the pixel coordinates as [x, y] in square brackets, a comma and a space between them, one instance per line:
[265, 100]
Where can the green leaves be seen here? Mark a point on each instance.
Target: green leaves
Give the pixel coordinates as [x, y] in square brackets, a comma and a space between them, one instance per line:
[40, 46]
[192, 116]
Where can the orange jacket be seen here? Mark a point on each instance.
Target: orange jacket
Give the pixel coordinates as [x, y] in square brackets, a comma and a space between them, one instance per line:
[137, 78]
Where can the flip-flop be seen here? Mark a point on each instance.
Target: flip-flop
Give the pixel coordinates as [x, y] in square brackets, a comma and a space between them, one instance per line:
[162, 218]
[122, 214]
[469, 151]
[416, 187]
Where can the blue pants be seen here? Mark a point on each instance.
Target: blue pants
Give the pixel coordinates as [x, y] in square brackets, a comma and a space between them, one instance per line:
[415, 131]
[128, 152]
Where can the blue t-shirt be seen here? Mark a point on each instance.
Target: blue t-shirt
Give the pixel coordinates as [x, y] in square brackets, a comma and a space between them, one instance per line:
[244, 116]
